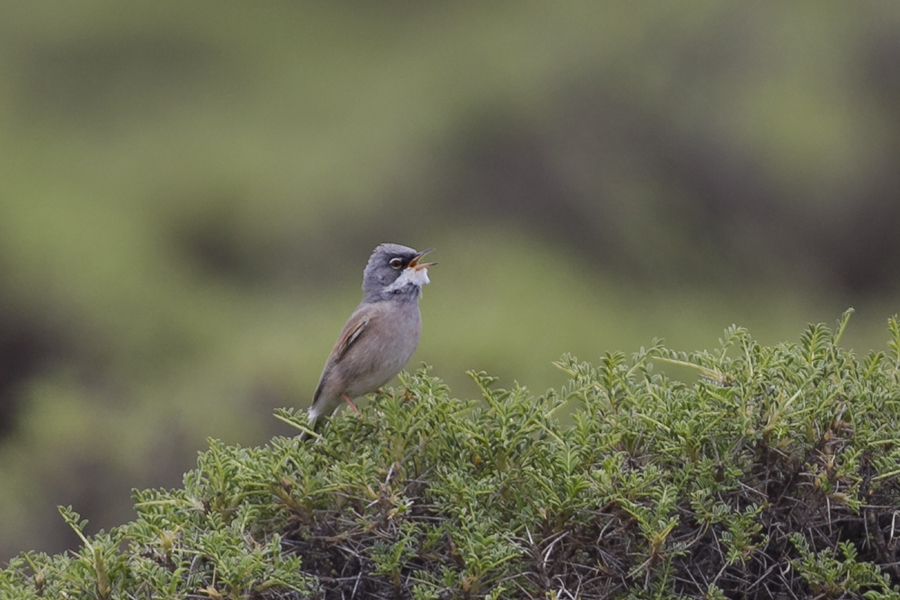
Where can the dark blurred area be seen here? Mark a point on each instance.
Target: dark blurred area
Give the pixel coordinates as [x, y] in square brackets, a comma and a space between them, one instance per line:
[191, 190]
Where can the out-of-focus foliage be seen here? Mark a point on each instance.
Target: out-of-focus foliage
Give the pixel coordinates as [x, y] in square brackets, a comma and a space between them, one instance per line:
[190, 191]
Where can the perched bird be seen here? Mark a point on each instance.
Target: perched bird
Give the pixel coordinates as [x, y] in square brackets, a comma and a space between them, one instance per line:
[380, 336]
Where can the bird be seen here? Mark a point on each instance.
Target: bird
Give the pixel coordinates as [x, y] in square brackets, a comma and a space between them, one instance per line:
[381, 334]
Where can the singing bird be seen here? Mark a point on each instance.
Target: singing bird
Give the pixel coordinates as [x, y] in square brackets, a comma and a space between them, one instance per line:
[380, 336]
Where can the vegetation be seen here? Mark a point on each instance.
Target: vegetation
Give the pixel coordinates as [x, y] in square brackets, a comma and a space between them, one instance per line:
[191, 189]
[775, 474]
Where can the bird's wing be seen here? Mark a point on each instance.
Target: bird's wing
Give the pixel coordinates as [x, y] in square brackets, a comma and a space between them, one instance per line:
[354, 328]
[352, 332]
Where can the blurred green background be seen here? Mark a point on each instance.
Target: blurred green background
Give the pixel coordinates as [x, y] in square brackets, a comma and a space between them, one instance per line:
[190, 191]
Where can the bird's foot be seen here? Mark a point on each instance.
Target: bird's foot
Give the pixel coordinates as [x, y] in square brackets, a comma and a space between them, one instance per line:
[349, 401]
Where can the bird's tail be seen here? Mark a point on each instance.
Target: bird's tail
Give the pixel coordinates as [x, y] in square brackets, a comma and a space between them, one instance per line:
[315, 424]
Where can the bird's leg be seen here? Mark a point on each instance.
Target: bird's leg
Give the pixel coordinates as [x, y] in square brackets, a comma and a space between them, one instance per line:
[350, 402]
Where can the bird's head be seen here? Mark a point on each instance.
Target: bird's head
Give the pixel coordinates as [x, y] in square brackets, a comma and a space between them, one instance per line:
[395, 271]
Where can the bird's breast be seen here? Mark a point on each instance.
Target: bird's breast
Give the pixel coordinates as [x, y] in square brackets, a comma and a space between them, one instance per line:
[383, 352]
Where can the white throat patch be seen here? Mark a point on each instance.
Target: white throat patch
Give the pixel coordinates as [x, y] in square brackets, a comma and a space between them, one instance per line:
[416, 277]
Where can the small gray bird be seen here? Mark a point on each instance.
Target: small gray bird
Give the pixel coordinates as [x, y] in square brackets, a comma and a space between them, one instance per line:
[380, 336]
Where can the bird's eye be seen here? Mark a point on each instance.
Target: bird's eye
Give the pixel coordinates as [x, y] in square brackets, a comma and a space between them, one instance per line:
[396, 263]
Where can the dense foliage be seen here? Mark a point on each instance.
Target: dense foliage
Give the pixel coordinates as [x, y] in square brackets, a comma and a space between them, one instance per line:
[776, 473]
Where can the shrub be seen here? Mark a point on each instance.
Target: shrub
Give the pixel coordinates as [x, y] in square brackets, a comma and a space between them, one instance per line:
[773, 473]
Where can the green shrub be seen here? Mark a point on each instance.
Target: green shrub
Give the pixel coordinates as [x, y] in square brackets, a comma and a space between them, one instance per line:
[774, 472]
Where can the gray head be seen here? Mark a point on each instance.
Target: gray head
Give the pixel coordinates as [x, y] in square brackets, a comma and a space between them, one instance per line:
[394, 272]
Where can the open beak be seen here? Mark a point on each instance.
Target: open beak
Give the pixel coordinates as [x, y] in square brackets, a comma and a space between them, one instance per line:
[414, 263]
